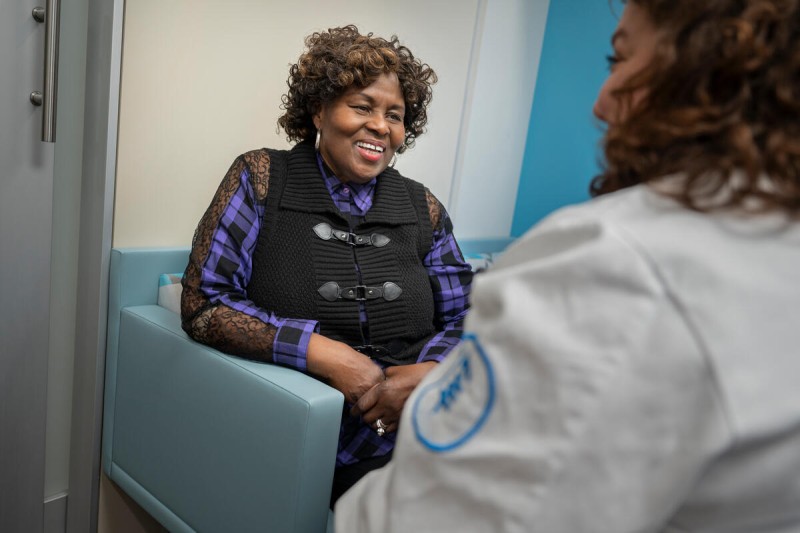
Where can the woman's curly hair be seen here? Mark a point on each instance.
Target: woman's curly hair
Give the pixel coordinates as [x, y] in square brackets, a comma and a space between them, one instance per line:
[722, 94]
[342, 57]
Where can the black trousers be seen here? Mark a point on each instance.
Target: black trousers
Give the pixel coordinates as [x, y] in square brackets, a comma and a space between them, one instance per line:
[345, 477]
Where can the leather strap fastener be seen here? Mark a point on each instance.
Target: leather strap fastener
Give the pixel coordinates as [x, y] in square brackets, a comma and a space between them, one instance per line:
[325, 232]
[388, 291]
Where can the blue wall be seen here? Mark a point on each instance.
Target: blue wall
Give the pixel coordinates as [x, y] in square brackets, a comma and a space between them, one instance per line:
[563, 137]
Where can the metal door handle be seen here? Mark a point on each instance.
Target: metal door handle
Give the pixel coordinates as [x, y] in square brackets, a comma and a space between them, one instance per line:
[51, 16]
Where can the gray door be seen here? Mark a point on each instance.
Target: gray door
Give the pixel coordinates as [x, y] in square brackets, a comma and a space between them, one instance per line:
[26, 199]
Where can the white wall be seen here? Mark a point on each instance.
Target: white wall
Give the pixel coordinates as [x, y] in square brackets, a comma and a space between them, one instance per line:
[202, 82]
[498, 111]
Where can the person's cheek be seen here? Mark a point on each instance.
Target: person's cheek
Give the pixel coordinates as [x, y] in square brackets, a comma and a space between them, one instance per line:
[637, 97]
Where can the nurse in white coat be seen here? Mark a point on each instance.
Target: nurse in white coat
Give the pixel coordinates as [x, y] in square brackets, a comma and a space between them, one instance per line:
[634, 362]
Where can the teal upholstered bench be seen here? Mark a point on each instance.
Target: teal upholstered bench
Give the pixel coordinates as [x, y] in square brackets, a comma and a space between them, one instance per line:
[205, 441]
[201, 440]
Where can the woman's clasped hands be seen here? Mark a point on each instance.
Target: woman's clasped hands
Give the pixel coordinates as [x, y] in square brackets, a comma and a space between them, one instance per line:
[385, 400]
[374, 393]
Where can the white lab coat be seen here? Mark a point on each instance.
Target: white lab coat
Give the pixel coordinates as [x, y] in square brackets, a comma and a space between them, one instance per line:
[635, 367]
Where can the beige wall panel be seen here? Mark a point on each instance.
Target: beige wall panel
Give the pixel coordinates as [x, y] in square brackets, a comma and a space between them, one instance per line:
[202, 82]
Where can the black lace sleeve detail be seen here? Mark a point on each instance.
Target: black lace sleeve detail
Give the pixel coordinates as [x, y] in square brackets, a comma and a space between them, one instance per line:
[218, 325]
[434, 209]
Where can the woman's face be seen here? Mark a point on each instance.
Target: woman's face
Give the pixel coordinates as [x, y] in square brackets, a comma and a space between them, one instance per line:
[634, 44]
[361, 130]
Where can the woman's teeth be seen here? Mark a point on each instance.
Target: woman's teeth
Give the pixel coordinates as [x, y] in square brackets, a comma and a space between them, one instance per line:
[372, 147]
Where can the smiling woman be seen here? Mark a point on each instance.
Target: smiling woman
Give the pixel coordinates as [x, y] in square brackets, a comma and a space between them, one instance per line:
[363, 129]
[325, 259]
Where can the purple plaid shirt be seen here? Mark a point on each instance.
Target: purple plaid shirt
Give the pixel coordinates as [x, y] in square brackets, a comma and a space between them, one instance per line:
[227, 270]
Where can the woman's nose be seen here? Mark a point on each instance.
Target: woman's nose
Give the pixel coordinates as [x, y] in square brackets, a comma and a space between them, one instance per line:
[603, 103]
[378, 125]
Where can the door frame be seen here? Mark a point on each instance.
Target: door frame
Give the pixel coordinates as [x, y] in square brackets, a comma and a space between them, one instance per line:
[101, 114]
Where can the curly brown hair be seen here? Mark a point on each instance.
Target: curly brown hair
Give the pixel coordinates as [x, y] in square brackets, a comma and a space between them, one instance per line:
[722, 94]
[342, 57]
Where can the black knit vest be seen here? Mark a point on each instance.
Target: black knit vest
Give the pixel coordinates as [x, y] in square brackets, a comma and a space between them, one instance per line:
[292, 262]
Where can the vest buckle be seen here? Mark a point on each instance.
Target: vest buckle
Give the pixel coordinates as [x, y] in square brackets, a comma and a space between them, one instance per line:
[372, 351]
[331, 291]
[326, 232]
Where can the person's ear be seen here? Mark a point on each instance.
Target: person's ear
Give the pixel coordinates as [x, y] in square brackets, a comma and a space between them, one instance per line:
[317, 118]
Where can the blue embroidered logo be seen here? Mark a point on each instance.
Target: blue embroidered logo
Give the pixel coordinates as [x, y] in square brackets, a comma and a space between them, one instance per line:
[449, 411]
[450, 391]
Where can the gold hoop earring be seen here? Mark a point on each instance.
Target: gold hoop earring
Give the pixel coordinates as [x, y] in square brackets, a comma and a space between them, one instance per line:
[394, 160]
[316, 142]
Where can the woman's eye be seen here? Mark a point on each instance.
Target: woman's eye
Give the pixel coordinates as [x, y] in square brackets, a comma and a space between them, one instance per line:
[361, 108]
[395, 117]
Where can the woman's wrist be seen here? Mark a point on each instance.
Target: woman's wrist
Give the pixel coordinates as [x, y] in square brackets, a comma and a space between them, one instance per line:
[320, 355]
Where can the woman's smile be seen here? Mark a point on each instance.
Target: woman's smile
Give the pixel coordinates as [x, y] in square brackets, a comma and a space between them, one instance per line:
[361, 130]
[370, 151]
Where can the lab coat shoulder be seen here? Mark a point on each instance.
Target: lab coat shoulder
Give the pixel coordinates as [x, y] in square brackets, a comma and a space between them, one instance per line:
[576, 352]
[708, 265]
[604, 220]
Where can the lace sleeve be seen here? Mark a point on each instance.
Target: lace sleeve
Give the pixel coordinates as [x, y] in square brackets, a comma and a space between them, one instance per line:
[434, 210]
[451, 280]
[222, 317]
